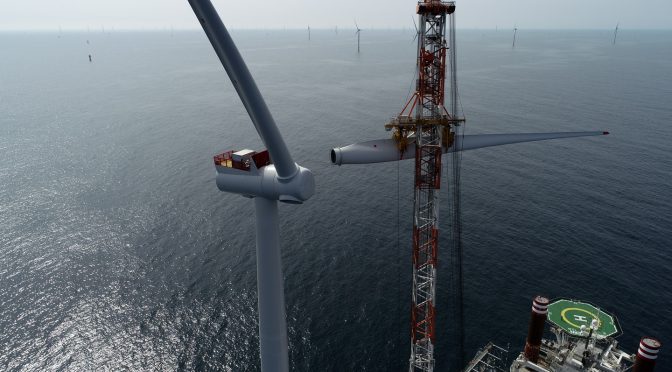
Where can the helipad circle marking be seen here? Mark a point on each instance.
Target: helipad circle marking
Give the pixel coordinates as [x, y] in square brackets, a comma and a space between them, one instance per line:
[564, 317]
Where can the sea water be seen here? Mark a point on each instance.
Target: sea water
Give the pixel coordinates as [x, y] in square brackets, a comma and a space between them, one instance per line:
[117, 251]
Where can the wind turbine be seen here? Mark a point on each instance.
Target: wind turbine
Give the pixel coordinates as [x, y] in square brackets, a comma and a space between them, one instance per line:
[515, 29]
[416, 29]
[357, 32]
[268, 177]
[308, 32]
[615, 32]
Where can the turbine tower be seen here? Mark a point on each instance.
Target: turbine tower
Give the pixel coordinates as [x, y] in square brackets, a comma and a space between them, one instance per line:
[267, 176]
[424, 130]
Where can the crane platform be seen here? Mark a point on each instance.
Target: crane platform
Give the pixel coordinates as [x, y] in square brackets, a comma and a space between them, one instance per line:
[409, 122]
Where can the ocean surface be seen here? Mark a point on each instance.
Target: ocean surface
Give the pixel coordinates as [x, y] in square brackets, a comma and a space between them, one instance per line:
[117, 251]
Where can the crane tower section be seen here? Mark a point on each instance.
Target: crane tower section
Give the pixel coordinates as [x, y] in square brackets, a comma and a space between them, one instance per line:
[425, 120]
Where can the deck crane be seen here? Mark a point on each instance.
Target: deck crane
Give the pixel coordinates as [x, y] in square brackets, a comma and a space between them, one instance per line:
[424, 130]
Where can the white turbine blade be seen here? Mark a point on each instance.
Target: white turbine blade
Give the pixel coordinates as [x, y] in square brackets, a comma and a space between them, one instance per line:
[478, 141]
[379, 151]
[245, 86]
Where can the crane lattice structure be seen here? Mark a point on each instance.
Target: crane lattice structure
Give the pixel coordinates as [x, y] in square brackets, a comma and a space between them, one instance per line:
[426, 121]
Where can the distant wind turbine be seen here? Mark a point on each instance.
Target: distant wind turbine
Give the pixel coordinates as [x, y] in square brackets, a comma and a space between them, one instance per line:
[416, 29]
[615, 32]
[357, 32]
[515, 30]
[308, 32]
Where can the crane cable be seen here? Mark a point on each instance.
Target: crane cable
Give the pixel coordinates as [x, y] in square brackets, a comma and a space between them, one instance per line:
[456, 252]
[399, 255]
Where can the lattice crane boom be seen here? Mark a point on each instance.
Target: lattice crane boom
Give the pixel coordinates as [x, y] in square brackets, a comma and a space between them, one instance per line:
[425, 120]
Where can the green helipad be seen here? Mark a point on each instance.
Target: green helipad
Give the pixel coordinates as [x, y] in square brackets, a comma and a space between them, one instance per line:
[571, 315]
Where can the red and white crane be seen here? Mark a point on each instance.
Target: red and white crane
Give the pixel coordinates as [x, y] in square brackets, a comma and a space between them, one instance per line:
[424, 130]
[425, 119]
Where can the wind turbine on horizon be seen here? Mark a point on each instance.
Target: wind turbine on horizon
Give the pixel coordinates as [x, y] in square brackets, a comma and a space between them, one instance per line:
[615, 32]
[515, 30]
[267, 177]
[308, 32]
[416, 29]
[357, 32]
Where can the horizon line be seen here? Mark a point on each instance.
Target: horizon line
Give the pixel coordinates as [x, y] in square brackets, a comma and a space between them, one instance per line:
[331, 29]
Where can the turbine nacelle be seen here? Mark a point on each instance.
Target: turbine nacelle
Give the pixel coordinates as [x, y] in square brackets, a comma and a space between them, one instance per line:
[251, 174]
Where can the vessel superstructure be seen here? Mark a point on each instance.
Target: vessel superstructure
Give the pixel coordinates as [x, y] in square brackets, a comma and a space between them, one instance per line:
[583, 338]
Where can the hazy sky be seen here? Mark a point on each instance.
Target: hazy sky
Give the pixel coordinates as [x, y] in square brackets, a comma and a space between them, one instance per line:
[160, 14]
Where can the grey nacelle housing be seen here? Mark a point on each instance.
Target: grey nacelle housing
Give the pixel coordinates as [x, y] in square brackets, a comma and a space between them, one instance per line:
[266, 183]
